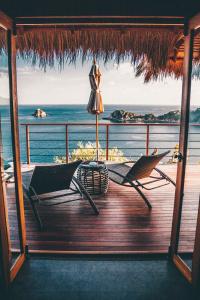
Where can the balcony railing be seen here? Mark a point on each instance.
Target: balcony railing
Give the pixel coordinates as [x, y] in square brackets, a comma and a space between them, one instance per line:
[41, 142]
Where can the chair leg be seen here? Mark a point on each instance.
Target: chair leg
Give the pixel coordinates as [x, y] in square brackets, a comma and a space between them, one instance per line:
[165, 176]
[133, 185]
[88, 197]
[84, 192]
[36, 214]
[141, 194]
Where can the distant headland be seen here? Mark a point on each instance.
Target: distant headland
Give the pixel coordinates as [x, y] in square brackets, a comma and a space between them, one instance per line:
[173, 116]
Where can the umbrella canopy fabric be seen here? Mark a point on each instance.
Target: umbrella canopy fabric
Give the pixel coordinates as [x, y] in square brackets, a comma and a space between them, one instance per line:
[95, 104]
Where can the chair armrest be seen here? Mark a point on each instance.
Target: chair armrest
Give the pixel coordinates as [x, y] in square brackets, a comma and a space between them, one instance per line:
[121, 163]
[129, 162]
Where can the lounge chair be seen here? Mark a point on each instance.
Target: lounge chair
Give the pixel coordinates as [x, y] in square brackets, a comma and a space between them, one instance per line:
[44, 180]
[126, 175]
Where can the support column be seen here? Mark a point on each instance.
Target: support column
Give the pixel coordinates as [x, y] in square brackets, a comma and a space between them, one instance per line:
[183, 141]
[12, 69]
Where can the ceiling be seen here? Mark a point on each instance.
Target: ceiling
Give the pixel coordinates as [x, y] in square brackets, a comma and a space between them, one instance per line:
[17, 8]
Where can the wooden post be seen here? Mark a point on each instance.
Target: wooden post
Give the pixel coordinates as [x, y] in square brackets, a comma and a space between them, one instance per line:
[28, 156]
[66, 143]
[147, 139]
[5, 243]
[97, 138]
[183, 141]
[107, 142]
[16, 151]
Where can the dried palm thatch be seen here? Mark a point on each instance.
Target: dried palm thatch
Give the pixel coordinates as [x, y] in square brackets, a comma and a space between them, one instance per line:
[173, 68]
[154, 52]
[174, 65]
[46, 46]
[3, 48]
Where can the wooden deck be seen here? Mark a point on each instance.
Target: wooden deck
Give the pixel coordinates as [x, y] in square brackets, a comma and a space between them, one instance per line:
[124, 224]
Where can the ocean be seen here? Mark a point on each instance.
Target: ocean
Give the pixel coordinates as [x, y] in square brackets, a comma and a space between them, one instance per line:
[47, 142]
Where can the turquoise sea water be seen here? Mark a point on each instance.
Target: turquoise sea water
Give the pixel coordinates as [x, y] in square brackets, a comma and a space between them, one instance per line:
[48, 142]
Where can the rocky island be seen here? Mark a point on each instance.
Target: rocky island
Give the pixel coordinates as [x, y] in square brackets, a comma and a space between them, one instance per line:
[170, 117]
[39, 113]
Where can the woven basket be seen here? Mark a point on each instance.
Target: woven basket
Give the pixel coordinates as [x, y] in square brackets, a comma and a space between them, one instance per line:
[94, 178]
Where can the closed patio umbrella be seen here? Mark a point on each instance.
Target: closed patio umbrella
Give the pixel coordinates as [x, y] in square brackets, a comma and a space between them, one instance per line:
[95, 104]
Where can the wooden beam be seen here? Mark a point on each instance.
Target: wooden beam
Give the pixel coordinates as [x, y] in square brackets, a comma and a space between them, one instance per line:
[183, 142]
[100, 21]
[182, 267]
[194, 22]
[5, 21]
[17, 266]
[101, 17]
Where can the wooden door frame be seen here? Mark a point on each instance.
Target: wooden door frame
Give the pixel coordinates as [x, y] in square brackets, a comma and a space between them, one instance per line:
[193, 276]
[5, 235]
[186, 88]
[9, 274]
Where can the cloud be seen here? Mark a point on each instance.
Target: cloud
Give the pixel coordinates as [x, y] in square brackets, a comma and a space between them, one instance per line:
[4, 85]
[3, 72]
[118, 86]
[112, 83]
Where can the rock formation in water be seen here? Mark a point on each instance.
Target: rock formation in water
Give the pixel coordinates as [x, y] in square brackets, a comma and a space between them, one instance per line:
[170, 117]
[39, 113]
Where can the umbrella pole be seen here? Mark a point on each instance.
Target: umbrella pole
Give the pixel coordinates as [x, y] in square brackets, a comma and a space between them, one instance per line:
[97, 138]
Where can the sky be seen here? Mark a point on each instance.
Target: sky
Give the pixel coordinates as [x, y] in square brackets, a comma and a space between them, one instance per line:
[71, 86]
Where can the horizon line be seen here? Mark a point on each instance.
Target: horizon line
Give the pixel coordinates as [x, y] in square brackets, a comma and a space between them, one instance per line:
[76, 104]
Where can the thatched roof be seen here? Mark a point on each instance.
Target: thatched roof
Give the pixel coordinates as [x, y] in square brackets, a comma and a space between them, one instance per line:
[174, 65]
[47, 45]
[2, 41]
[155, 52]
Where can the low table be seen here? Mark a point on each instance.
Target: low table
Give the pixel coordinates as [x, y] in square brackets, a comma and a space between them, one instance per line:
[94, 177]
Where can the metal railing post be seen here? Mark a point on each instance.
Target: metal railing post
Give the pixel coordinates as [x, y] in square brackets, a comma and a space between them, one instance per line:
[107, 141]
[28, 151]
[147, 139]
[32, 143]
[67, 143]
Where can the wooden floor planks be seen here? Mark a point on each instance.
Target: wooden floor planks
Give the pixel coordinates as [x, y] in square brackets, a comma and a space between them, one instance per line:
[124, 224]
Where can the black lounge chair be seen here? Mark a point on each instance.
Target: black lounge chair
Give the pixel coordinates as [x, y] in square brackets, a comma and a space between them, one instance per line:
[126, 175]
[53, 178]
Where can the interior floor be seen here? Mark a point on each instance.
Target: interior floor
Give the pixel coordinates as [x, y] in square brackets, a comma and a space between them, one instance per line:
[79, 279]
